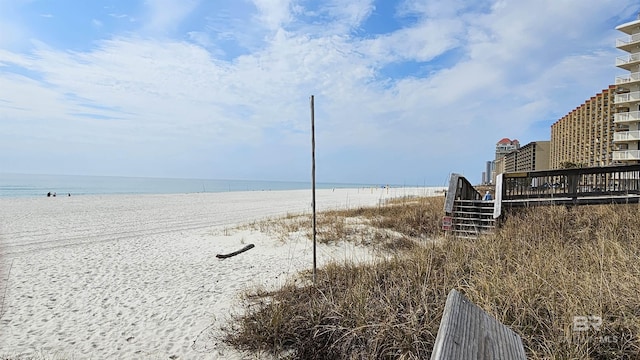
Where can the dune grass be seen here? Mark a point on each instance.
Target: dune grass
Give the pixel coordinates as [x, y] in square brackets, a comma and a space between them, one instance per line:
[395, 225]
[541, 269]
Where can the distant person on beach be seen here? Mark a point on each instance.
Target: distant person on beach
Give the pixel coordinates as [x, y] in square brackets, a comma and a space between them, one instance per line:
[487, 196]
[49, 194]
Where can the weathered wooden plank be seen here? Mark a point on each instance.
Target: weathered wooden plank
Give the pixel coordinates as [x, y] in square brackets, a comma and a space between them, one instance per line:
[451, 193]
[459, 189]
[467, 332]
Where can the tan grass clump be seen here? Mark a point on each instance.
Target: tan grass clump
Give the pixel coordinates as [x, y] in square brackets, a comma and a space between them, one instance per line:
[544, 267]
[394, 226]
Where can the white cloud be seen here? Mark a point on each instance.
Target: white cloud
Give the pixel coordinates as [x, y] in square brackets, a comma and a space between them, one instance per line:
[434, 9]
[165, 15]
[490, 72]
[348, 15]
[201, 38]
[131, 19]
[273, 13]
[421, 43]
[13, 33]
[10, 33]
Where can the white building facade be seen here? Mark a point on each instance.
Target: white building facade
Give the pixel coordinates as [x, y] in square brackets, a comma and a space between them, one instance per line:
[627, 99]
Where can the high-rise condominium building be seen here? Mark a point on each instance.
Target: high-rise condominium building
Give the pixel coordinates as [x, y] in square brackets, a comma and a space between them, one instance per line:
[505, 146]
[531, 157]
[627, 99]
[584, 136]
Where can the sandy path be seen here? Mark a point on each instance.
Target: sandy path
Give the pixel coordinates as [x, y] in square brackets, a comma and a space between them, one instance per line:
[136, 276]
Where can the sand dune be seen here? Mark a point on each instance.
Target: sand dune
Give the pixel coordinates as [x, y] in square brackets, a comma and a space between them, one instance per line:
[136, 276]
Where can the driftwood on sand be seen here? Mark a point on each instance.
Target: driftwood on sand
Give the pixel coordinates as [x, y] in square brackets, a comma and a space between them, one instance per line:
[224, 256]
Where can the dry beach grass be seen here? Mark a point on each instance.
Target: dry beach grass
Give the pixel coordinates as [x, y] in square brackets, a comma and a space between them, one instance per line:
[543, 268]
[399, 221]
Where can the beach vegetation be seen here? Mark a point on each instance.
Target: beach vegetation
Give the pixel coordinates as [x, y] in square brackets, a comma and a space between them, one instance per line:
[398, 224]
[551, 274]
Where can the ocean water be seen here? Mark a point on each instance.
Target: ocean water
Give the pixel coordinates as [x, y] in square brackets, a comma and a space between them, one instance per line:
[23, 185]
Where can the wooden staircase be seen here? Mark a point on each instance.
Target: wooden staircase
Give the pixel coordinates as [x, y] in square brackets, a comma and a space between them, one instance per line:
[467, 215]
[471, 218]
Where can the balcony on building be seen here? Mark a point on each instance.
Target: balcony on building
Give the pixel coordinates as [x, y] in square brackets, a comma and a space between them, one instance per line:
[630, 27]
[626, 155]
[626, 117]
[628, 62]
[626, 136]
[628, 43]
[628, 79]
[625, 98]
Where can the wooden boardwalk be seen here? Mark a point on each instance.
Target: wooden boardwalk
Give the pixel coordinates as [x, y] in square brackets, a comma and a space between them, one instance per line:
[466, 215]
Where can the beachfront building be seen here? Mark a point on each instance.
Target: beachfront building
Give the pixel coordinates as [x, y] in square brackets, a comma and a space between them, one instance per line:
[509, 161]
[584, 137]
[531, 157]
[534, 156]
[487, 174]
[627, 99]
[489, 168]
[505, 146]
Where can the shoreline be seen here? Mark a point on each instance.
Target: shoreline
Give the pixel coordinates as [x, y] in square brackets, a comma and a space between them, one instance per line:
[35, 186]
[124, 276]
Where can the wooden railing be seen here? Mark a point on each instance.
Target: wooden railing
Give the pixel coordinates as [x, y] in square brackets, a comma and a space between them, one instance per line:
[459, 189]
[572, 183]
[577, 186]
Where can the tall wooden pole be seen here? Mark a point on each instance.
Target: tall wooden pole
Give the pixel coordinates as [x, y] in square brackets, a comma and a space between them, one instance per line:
[313, 185]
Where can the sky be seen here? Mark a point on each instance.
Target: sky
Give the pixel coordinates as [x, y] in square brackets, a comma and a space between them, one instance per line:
[405, 92]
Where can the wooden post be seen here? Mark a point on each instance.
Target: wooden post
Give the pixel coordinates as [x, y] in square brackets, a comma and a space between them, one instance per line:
[497, 204]
[313, 185]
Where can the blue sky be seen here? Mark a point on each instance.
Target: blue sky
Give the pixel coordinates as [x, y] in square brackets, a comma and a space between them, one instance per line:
[405, 91]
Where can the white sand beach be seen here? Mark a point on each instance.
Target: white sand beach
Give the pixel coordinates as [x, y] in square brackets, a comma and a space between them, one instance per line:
[136, 277]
